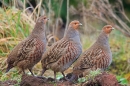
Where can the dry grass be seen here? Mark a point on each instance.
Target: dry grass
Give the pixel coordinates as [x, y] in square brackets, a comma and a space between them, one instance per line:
[15, 25]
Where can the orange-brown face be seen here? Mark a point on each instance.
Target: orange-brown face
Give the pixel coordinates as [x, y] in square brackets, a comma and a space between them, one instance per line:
[75, 24]
[107, 29]
[43, 19]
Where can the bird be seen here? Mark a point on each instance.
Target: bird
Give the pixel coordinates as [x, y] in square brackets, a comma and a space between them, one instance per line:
[98, 56]
[29, 51]
[60, 28]
[64, 52]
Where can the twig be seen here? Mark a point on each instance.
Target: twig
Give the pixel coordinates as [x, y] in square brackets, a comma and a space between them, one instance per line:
[14, 3]
[84, 17]
[39, 8]
[58, 14]
[49, 5]
[30, 4]
[102, 10]
[67, 14]
[34, 11]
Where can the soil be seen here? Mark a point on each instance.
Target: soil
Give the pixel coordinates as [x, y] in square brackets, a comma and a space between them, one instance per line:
[104, 79]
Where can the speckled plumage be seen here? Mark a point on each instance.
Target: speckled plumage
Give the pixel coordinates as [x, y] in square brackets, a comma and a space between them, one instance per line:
[98, 56]
[29, 52]
[63, 53]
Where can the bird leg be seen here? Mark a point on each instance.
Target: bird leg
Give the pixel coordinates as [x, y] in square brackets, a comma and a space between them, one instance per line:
[64, 76]
[43, 71]
[31, 71]
[55, 76]
[72, 79]
[23, 71]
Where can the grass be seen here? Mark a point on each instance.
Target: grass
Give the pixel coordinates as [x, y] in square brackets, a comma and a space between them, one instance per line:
[13, 75]
[14, 27]
[90, 76]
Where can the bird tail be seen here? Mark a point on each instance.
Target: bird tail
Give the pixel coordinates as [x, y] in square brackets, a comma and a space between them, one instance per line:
[74, 78]
[8, 68]
[75, 75]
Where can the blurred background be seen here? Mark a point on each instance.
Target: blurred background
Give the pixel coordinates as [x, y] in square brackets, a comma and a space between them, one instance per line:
[18, 17]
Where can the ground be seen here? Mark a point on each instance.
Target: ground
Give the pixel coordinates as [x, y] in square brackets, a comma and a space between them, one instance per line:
[103, 79]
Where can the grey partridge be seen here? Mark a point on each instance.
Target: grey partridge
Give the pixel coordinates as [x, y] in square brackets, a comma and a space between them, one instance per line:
[98, 56]
[29, 52]
[64, 52]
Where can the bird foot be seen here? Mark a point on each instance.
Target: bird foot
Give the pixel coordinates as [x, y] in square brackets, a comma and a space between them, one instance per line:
[67, 79]
[41, 77]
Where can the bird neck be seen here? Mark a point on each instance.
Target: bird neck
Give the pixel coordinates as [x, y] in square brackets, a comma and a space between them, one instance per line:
[38, 31]
[103, 38]
[71, 33]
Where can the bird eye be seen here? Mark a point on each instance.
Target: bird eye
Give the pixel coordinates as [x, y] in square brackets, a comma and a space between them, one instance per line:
[107, 27]
[75, 23]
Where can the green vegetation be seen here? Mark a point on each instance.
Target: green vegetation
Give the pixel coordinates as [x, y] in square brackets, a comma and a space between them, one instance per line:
[122, 80]
[11, 76]
[15, 25]
[13, 28]
[90, 76]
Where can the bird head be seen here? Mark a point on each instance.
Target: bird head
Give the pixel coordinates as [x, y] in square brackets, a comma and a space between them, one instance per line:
[75, 24]
[107, 29]
[43, 19]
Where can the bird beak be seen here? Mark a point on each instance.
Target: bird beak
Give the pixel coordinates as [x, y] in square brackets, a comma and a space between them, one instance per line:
[47, 18]
[113, 28]
[80, 24]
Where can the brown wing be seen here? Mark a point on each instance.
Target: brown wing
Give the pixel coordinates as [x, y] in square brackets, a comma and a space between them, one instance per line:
[55, 52]
[32, 48]
[72, 53]
[96, 58]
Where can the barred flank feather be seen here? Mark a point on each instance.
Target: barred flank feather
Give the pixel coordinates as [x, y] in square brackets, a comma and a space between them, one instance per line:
[29, 52]
[97, 56]
[63, 53]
